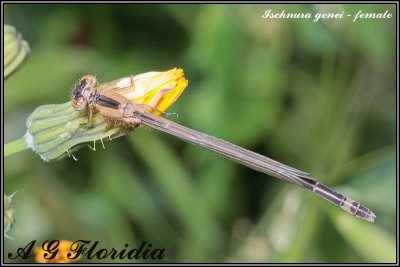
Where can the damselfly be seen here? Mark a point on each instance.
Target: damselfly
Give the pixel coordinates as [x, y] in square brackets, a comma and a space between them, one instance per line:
[114, 106]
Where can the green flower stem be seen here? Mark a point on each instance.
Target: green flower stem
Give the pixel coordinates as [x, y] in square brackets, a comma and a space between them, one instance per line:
[15, 146]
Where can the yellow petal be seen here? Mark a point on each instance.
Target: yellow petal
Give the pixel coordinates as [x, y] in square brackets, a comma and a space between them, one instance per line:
[156, 89]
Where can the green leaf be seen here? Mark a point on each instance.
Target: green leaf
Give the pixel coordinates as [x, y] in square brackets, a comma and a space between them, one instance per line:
[371, 241]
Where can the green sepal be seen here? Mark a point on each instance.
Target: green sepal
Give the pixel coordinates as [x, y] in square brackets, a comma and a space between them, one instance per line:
[56, 131]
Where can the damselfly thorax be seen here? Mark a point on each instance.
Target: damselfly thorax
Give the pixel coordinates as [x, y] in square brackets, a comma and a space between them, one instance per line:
[108, 103]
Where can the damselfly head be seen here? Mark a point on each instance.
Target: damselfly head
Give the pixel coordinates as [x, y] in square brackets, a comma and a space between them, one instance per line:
[81, 91]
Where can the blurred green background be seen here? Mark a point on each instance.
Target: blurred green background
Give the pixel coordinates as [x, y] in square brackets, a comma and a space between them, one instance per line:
[320, 97]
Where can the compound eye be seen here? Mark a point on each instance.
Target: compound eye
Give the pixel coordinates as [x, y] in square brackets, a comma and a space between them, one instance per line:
[78, 103]
[88, 81]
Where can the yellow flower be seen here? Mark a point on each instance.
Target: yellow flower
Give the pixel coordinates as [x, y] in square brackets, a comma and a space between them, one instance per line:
[55, 131]
[156, 89]
[64, 248]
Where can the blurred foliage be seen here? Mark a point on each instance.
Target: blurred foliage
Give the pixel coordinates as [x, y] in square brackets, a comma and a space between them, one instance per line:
[318, 96]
